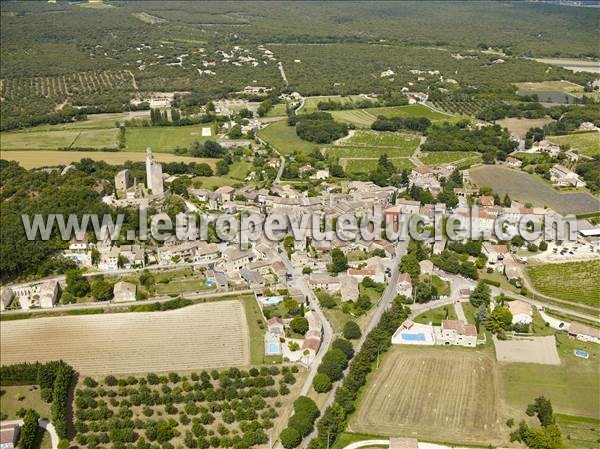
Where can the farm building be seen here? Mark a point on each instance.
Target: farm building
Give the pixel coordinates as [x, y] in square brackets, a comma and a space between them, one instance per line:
[9, 435]
[562, 176]
[124, 292]
[521, 312]
[584, 333]
[44, 295]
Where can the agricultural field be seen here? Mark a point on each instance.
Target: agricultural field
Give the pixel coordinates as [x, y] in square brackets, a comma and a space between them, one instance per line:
[37, 159]
[578, 282]
[440, 394]
[311, 103]
[368, 165]
[584, 143]
[94, 121]
[53, 140]
[382, 139]
[197, 409]
[468, 107]
[65, 86]
[572, 386]
[414, 110]
[450, 157]
[520, 126]
[357, 117]
[550, 86]
[200, 336]
[164, 139]
[526, 188]
[284, 139]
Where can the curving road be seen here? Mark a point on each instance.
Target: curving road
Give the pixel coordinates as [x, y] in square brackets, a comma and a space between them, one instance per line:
[44, 424]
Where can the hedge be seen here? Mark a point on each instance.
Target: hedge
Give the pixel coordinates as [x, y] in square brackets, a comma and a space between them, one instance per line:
[492, 282]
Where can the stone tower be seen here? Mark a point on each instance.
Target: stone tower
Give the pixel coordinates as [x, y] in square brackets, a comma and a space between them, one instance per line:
[154, 178]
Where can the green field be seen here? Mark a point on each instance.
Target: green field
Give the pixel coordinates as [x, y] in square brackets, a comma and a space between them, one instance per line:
[584, 143]
[284, 139]
[357, 117]
[382, 139]
[578, 282]
[53, 140]
[579, 432]
[164, 138]
[362, 152]
[414, 110]
[367, 165]
[278, 110]
[572, 386]
[176, 287]
[449, 157]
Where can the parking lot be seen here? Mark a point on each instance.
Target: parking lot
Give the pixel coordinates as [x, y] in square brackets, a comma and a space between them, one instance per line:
[568, 252]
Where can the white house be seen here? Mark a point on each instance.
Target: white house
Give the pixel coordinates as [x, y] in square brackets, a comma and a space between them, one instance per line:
[456, 332]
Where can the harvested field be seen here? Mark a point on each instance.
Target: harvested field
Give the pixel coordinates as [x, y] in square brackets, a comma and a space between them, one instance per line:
[443, 394]
[526, 188]
[558, 86]
[520, 126]
[540, 350]
[578, 282]
[53, 140]
[37, 159]
[414, 110]
[164, 138]
[200, 336]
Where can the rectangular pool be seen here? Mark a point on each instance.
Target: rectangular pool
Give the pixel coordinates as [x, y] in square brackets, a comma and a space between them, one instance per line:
[413, 337]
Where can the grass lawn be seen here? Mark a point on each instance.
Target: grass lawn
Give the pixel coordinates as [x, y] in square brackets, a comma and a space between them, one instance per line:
[435, 316]
[572, 387]
[256, 327]
[579, 432]
[367, 165]
[53, 140]
[448, 157]
[346, 438]
[414, 110]
[584, 143]
[357, 117]
[237, 173]
[36, 159]
[337, 318]
[284, 139]
[278, 110]
[368, 152]
[176, 287]
[578, 282]
[164, 138]
[31, 398]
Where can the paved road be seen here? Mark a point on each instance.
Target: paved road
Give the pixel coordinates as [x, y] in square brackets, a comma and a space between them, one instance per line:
[367, 443]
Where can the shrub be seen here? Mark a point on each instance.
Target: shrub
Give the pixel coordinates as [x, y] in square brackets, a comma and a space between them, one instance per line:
[345, 346]
[322, 383]
[290, 438]
[29, 430]
[334, 363]
[299, 325]
[351, 331]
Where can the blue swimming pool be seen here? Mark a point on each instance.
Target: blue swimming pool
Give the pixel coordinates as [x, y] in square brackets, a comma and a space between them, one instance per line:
[581, 353]
[273, 348]
[413, 337]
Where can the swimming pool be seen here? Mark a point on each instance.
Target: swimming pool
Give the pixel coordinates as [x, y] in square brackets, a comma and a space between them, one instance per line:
[273, 348]
[581, 353]
[272, 300]
[413, 337]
